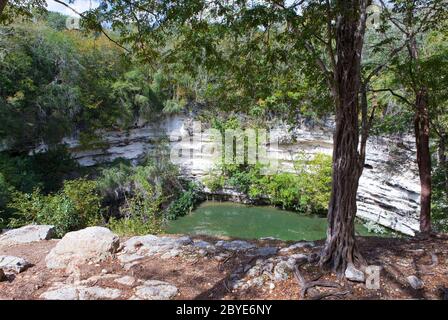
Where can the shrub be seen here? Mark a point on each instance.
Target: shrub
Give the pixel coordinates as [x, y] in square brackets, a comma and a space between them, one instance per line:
[76, 206]
[307, 190]
[140, 197]
[185, 203]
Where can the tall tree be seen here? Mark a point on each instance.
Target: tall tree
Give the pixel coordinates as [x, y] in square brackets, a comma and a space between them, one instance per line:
[336, 48]
[340, 246]
[413, 19]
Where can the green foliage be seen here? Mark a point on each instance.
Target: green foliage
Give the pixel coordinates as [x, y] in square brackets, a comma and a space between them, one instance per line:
[185, 203]
[306, 191]
[76, 206]
[45, 170]
[143, 196]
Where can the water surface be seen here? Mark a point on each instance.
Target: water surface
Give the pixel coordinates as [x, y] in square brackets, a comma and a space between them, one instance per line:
[251, 222]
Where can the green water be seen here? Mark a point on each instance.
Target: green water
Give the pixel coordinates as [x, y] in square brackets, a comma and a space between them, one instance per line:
[251, 222]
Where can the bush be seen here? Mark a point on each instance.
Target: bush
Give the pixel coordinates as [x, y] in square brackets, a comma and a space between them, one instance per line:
[75, 207]
[185, 203]
[140, 197]
[306, 191]
[45, 171]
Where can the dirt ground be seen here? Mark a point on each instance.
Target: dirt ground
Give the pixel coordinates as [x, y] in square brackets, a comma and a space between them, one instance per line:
[207, 278]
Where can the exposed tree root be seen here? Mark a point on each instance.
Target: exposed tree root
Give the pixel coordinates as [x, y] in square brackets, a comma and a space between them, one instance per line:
[307, 285]
[330, 294]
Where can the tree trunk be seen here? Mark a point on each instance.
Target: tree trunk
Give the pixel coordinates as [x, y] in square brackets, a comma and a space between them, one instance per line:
[421, 127]
[2, 5]
[340, 247]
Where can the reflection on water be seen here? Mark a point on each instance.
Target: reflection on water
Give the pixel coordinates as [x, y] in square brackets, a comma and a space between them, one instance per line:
[251, 222]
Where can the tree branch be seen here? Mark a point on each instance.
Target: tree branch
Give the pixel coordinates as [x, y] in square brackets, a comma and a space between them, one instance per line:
[99, 25]
[394, 94]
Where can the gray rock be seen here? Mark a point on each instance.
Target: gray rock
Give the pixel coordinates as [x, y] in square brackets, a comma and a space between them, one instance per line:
[62, 293]
[92, 244]
[126, 281]
[415, 282]
[126, 258]
[298, 245]
[265, 251]
[74, 292]
[203, 245]
[256, 282]
[150, 245]
[353, 274]
[26, 234]
[98, 293]
[282, 270]
[155, 290]
[171, 254]
[236, 245]
[13, 264]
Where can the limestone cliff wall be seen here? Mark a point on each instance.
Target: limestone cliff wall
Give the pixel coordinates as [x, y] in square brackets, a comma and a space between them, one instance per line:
[388, 192]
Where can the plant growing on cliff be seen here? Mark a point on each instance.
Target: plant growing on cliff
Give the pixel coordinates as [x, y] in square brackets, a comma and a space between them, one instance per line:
[307, 190]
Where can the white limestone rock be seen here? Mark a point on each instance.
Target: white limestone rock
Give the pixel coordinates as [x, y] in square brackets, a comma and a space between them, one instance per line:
[92, 244]
[150, 245]
[353, 274]
[26, 234]
[155, 290]
[77, 292]
[126, 281]
[13, 264]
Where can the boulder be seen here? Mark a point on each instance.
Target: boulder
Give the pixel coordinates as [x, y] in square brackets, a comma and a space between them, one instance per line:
[353, 274]
[155, 290]
[415, 283]
[91, 244]
[13, 264]
[26, 234]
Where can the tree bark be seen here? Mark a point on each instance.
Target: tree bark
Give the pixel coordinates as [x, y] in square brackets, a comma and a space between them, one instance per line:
[340, 247]
[3, 5]
[421, 130]
[421, 127]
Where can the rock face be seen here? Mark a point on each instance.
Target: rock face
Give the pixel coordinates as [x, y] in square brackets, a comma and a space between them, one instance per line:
[388, 189]
[26, 234]
[90, 244]
[13, 264]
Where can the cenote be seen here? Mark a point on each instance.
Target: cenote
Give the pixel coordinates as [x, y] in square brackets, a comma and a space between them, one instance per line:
[251, 222]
